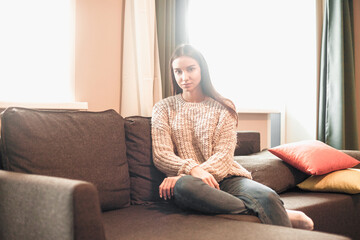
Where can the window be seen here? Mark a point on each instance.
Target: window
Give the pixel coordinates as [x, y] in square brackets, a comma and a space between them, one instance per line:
[37, 50]
[261, 54]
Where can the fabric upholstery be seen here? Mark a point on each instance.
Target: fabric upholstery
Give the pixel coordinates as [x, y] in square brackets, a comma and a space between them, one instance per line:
[87, 146]
[331, 212]
[247, 143]
[87, 213]
[160, 222]
[338, 85]
[42, 207]
[23, 148]
[271, 171]
[145, 178]
[35, 207]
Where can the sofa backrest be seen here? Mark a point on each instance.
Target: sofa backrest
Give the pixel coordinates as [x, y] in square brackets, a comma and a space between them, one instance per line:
[87, 146]
[145, 178]
[113, 153]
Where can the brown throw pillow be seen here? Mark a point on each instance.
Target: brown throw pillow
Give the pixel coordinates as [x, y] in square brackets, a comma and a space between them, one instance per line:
[247, 143]
[271, 171]
[87, 146]
[145, 178]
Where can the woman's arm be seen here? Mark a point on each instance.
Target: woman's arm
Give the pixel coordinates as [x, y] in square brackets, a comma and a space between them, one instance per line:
[222, 159]
[163, 148]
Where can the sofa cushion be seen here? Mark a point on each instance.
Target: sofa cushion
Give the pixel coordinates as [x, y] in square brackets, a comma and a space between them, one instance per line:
[314, 157]
[87, 146]
[145, 178]
[331, 212]
[345, 181]
[247, 143]
[157, 222]
[271, 171]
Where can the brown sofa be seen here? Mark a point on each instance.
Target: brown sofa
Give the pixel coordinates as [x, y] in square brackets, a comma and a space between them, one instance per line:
[87, 175]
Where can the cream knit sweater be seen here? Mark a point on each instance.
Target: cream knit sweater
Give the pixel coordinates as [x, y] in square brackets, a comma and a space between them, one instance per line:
[185, 135]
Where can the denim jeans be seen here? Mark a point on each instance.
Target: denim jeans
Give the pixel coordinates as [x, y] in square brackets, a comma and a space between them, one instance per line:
[238, 195]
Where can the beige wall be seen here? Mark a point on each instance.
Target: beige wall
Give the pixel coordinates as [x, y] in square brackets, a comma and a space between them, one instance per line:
[258, 123]
[98, 44]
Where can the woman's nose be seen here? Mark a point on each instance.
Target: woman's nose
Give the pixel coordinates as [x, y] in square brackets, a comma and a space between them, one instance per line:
[184, 76]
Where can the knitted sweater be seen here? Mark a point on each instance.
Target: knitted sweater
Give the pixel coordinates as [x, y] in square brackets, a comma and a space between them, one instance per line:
[185, 135]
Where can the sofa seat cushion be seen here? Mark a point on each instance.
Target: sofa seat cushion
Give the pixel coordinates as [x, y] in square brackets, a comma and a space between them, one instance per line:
[160, 221]
[88, 146]
[331, 212]
[271, 171]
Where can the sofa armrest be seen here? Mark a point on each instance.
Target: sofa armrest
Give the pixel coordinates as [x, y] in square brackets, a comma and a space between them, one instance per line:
[42, 207]
[248, 142]
[353, 153]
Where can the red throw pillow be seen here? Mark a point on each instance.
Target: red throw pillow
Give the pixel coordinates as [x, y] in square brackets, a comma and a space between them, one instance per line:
[314, 157]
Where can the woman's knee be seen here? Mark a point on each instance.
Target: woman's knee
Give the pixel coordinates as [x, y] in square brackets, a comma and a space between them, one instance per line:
[264, 193]
[254, 192]
[186, 185]
[270, 198]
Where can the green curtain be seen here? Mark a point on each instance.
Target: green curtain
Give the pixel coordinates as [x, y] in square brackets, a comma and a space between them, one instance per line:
[337, 105]
[172, 31]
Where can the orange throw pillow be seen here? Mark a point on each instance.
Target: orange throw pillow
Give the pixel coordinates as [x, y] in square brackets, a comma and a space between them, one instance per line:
[314, 157]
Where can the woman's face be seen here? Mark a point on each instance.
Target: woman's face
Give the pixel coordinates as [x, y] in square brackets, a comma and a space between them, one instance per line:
[187, 73]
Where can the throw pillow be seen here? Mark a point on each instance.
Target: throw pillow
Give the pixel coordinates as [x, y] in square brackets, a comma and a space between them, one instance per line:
[247, 143]
[145, 178]
[88, 146]
[314, 157]
[344, 181]
[271, 171]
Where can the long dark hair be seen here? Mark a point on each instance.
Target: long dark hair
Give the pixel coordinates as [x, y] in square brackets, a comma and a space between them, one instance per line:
[205, 83]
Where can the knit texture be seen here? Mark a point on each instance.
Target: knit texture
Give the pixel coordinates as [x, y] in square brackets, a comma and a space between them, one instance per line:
[185, 135]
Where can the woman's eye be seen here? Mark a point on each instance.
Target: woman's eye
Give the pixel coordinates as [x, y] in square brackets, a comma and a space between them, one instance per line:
[177, 72]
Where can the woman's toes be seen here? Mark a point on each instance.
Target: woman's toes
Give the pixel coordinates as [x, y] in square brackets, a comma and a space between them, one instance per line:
[300, 220]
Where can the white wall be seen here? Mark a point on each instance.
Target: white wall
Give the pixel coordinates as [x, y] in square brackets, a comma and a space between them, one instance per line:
[265, 57]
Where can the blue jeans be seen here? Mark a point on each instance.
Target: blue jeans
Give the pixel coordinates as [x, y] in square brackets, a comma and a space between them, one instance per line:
[238, 195]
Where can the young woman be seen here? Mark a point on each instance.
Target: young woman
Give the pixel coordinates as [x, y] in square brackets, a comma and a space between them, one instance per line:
[194, 138]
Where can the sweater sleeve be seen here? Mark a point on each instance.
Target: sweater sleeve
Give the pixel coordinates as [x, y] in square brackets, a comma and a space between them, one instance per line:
[164, 156]
[224, 144]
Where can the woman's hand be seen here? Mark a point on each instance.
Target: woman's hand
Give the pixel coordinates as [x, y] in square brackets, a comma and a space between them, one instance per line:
[166, 188]
[204, 176]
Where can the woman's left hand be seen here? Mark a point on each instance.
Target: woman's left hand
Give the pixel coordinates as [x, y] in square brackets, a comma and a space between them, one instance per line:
[166, 188]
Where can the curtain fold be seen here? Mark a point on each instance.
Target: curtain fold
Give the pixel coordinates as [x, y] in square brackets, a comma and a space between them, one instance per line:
[172, 29]
[337, 124]
[141, 78]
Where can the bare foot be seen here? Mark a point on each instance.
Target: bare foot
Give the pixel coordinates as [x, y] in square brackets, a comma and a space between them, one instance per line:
[299, 219]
